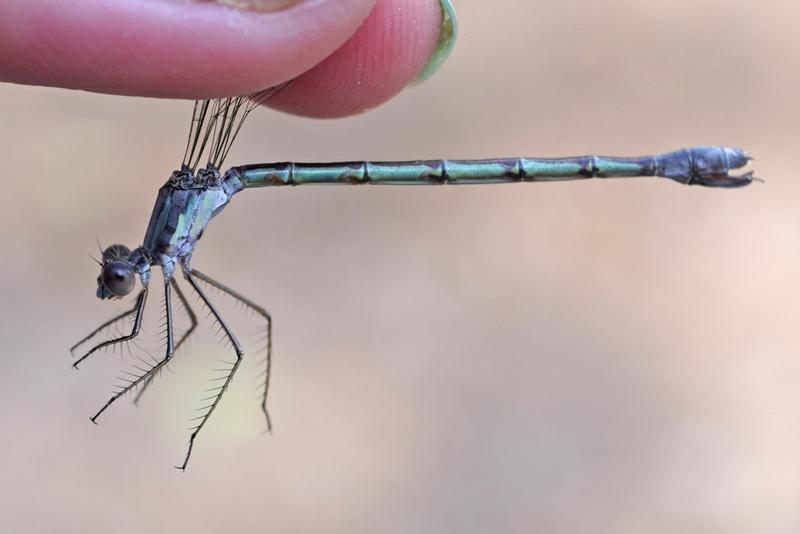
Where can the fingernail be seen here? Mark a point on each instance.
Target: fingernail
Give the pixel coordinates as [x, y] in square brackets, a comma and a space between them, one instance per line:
[259, 5]
[447, 40]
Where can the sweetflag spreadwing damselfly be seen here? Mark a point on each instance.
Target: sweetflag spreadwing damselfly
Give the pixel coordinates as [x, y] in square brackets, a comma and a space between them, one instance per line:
[200, 189]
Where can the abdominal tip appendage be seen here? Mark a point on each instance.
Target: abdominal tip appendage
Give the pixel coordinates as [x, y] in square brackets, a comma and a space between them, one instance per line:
[737, 157]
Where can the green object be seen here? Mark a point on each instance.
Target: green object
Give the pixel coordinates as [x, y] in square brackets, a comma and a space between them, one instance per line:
[447, 40]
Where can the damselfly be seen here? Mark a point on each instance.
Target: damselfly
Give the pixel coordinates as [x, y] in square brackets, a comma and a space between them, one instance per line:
[193, 195]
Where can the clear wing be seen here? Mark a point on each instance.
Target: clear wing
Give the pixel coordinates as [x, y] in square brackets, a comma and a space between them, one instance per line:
[215, 125]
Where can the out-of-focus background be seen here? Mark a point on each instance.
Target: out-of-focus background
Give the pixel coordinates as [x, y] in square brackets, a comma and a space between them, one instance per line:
[598, 356]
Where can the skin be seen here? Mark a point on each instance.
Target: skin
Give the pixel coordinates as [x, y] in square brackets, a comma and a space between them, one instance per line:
[345, 56]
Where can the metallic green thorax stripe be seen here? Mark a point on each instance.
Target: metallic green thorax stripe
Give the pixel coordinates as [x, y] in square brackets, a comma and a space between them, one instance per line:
[706, 165]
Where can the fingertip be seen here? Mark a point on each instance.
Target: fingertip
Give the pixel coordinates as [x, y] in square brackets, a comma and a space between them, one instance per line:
[163, 48]
[384, 56]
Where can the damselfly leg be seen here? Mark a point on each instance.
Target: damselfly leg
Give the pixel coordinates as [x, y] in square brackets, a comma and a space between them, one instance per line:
[217, 391]
[144, 375]
[189, 331]
[108, 325]
[135, 380]
[138, 310]
[264, 315]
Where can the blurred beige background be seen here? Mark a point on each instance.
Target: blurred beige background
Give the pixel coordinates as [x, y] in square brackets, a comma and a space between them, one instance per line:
[617, 356]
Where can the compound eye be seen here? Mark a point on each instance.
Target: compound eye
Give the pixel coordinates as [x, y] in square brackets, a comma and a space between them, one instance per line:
[118, 278]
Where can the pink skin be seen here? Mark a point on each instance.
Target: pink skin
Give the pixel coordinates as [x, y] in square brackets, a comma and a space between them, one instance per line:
[345, 55]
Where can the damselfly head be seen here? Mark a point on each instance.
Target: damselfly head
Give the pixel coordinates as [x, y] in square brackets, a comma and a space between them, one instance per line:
[117, 277]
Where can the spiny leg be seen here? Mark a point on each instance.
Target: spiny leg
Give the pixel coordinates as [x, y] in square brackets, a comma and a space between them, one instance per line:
[137, 325]
[102, 327]
[189, 331]
[148, 373]
[263, 313]
[229, 376]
